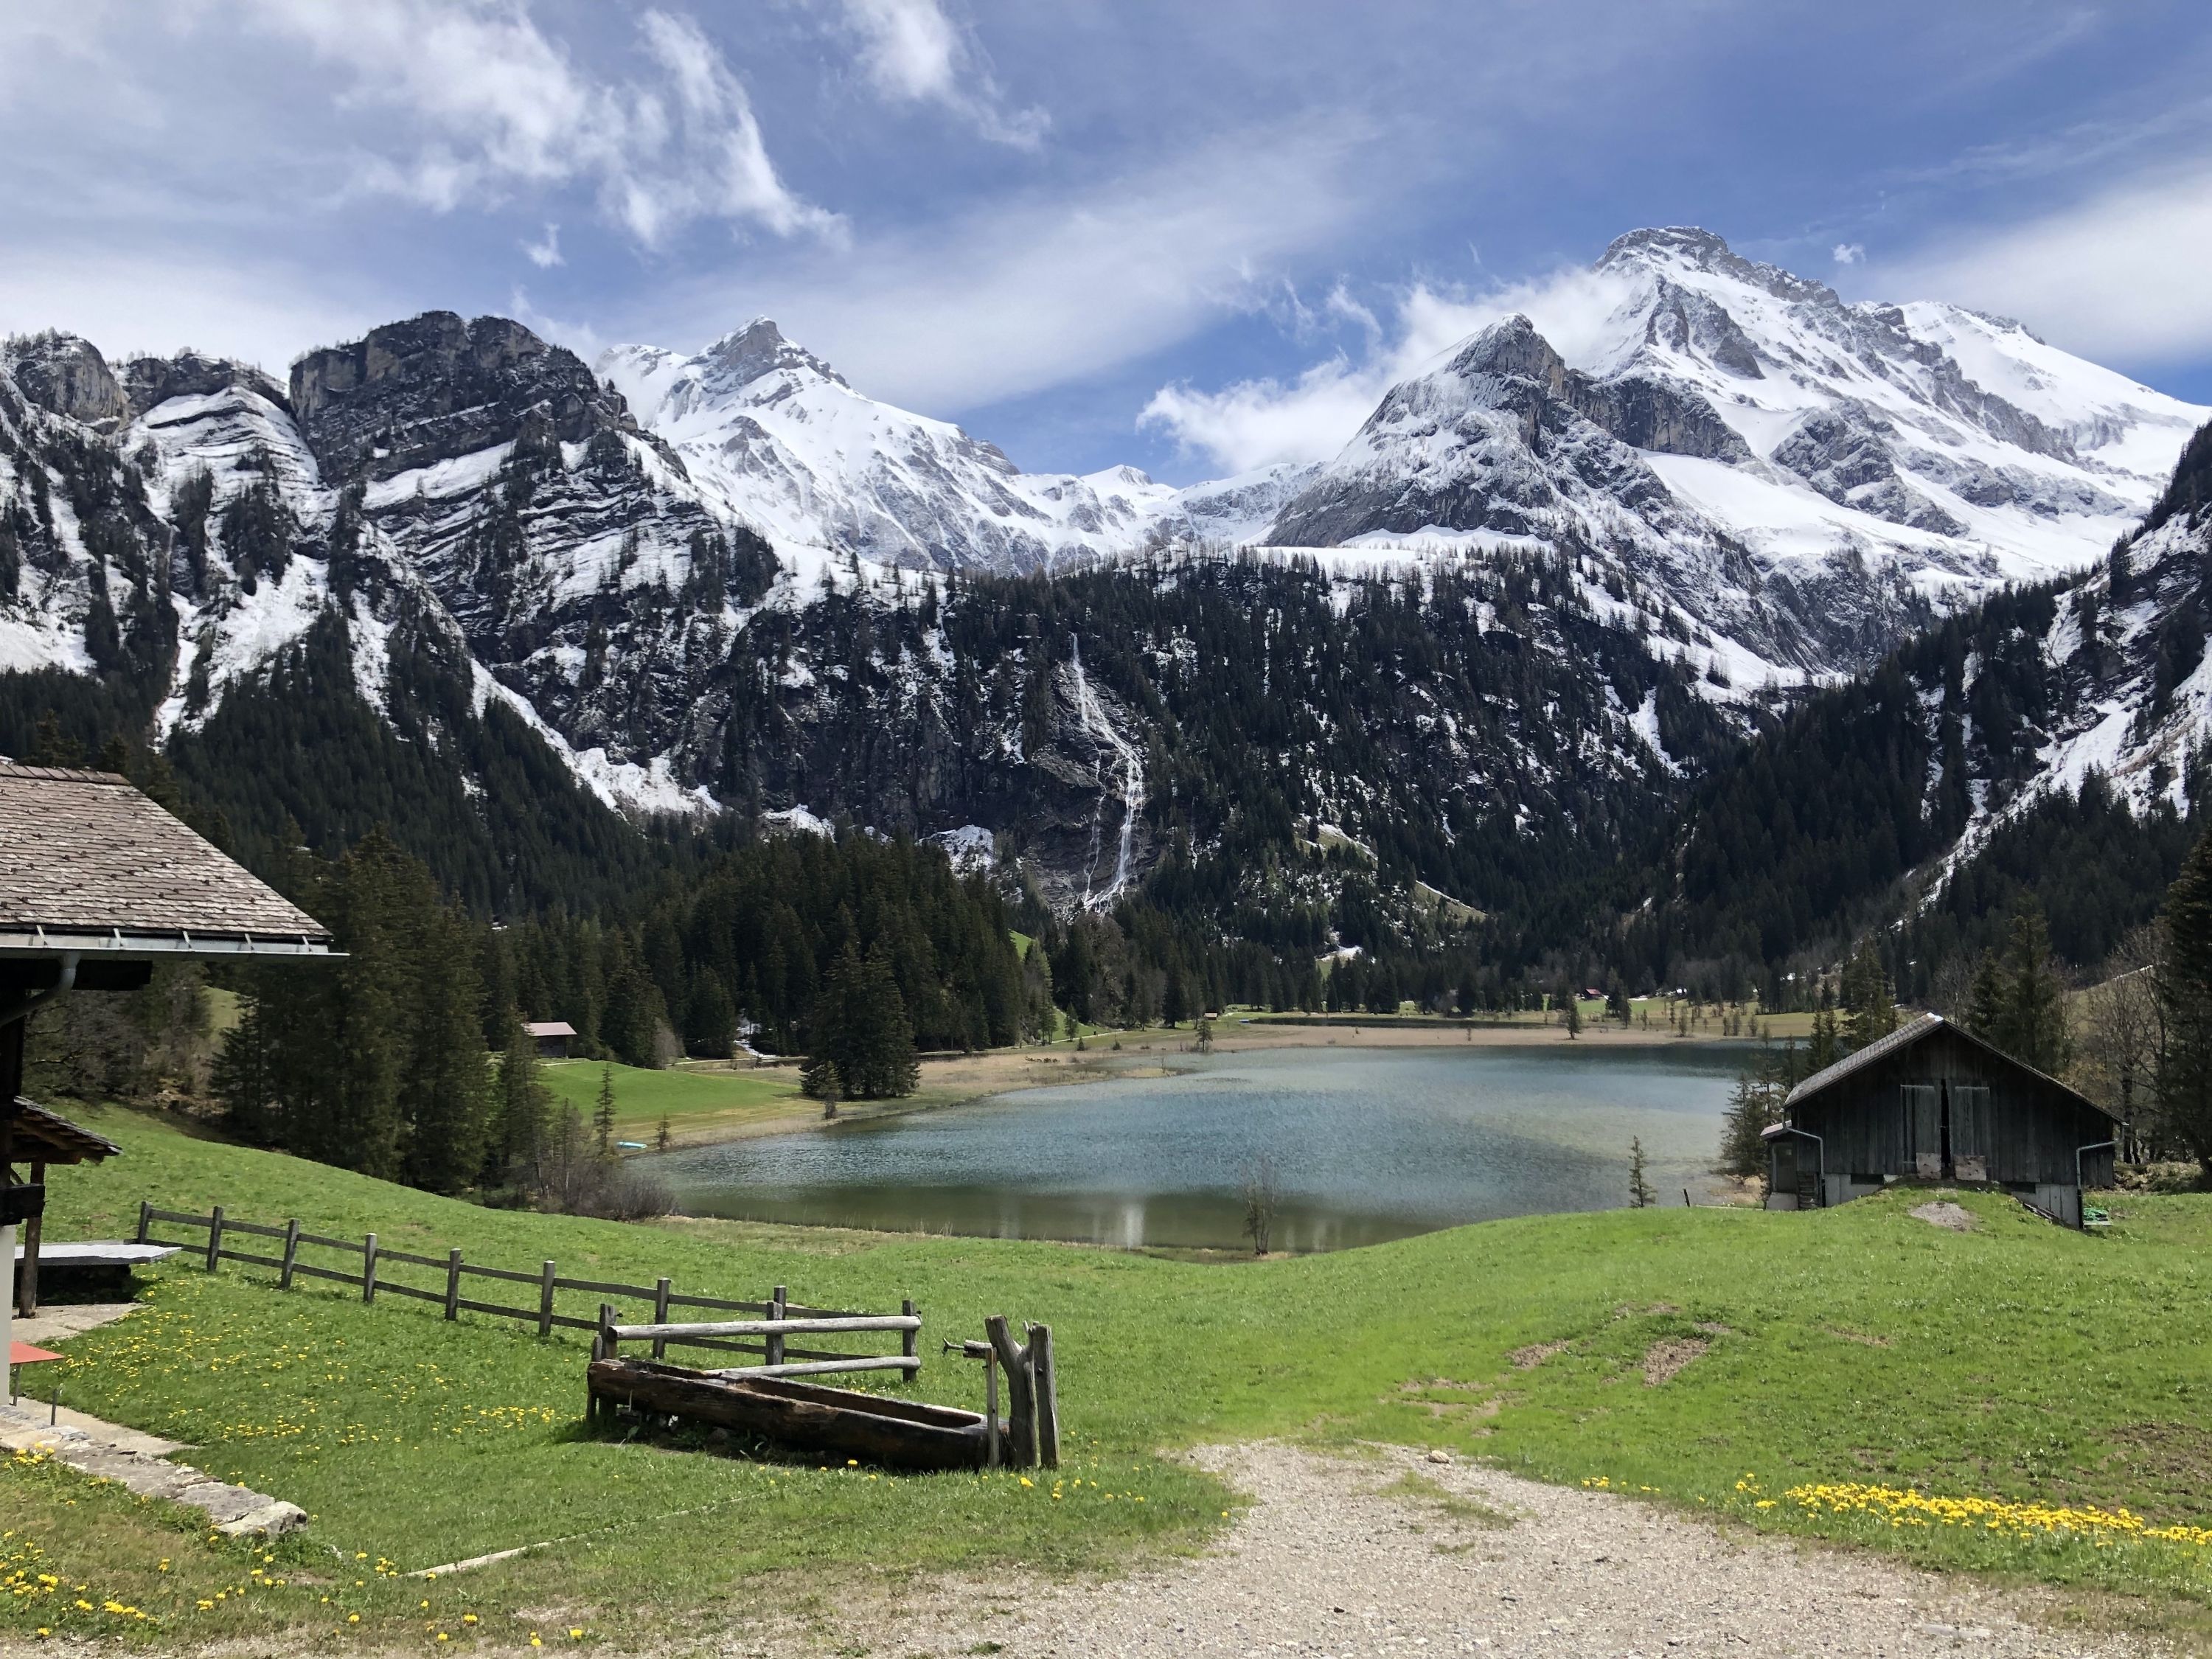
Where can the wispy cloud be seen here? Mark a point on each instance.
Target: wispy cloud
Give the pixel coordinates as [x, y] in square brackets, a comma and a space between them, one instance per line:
[2116, 274]
[545, 252]
[1848, 253]
[488, 103]
[913, 53]
[1047, 288]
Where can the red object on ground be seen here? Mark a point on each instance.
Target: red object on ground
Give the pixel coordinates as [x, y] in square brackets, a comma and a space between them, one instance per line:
[22, 1353]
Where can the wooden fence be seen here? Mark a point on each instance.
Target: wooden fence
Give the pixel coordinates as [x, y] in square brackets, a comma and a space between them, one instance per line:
[365, 1262]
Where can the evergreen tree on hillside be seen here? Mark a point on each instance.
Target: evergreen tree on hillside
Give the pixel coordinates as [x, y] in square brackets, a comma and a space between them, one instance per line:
[862, 1043]
[2184, 990]
[603, 1113]
[523, 1103]
[2018, 1001]
[449, 1088]
[374, 1062]
[1867, 997]
[1827, 1047]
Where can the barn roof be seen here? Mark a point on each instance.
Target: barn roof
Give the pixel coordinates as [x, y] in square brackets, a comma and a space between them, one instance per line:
[88, 863]
[538, 1028]
[1904, 1036]
[39, 1136]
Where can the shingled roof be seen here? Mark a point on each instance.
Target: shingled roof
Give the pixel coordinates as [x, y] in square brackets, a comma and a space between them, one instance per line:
[39, 1136]
[86, 862]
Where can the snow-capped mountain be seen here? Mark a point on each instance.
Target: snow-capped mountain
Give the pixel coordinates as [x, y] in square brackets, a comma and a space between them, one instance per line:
[785, 444]
[704, 583]
[1798, 475]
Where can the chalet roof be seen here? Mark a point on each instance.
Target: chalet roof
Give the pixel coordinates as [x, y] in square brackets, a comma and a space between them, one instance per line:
[86, 862]
[540, 1028]
[1904, 1036]
[39, 1136]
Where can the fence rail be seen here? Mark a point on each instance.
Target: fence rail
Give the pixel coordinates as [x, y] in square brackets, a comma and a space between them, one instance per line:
[764, 1333]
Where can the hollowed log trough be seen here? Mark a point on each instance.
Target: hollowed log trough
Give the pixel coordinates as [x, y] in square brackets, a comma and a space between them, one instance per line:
[843, 1423]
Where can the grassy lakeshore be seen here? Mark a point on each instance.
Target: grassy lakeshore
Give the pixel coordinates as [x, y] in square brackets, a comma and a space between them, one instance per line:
[1773, 1369]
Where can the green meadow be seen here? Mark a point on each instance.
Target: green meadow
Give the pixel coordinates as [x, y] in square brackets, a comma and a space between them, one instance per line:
[1773, 1371]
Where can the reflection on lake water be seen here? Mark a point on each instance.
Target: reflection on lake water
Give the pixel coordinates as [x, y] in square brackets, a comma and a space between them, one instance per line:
[1366, 1145]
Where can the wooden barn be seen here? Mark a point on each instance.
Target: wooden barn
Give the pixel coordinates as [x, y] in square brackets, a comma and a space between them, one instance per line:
[1932, 1102]
[552, 1037]
[97, 884]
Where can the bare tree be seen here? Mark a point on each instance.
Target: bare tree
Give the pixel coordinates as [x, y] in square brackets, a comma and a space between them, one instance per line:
[2120, 1027]
[1262, 1196]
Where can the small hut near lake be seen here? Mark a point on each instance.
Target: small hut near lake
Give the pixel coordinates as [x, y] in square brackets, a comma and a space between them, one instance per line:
[1932, 1102]
[97, 884]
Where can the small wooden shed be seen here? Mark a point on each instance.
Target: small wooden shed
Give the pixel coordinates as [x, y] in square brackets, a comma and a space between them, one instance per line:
[1933, 1102]
[552, 1037]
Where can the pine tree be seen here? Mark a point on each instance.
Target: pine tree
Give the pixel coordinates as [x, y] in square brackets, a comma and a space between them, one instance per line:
[448, 1093]
[523, 1105]
[1827, 1047]
[2184, 990]
[1641, 1195]
[2033, 1024]
[1574, 1005]
[603, 1113]
[1867, 997]
[662, 1137]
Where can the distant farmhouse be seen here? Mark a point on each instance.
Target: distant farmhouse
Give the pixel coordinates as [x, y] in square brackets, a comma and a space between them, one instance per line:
[1931, 1102]
[552, 1037]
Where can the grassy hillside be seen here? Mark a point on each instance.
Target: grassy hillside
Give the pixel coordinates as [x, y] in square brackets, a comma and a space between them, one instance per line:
[689, 1099]
[1711, 1358]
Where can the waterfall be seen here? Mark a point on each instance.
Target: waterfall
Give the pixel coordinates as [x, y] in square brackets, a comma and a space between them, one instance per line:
[1087, 710]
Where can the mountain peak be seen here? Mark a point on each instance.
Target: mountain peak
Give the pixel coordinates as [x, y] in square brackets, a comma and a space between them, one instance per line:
[760, 347]
[1700, 247]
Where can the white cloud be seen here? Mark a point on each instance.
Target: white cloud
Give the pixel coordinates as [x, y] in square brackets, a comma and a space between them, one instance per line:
[128, 301]
[1253, 423]
[2119, 274]
[1039, 290]
[545, 253]
[1849, 254]
[913, 53]
[494, 104]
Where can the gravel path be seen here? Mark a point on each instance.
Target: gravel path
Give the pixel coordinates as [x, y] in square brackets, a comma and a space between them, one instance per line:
[1328, 1562]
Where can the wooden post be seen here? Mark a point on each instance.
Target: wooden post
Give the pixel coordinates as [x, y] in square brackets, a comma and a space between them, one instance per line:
[1047, 1396]
[605, 1345]
[774, 1344]
[1021, 1394]
[545, 1277]
[660, 1316]
[453, 1282]
[991, 1452]
[145, 1220]
[368, 1268]
[291, 1252]
[909, 1341]
[214, 1237]
[27, 1300]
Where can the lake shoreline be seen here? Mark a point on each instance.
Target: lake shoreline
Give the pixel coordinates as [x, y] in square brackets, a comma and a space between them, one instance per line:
[958, 1080]
[1368, 1142]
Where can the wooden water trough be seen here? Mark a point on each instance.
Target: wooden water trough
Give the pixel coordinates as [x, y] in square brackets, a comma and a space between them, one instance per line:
[767, 1402]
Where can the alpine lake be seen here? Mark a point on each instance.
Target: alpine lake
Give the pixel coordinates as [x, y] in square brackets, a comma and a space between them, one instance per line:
[1359, 1146]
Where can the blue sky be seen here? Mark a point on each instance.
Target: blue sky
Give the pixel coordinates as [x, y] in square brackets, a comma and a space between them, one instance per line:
[1191, 237]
